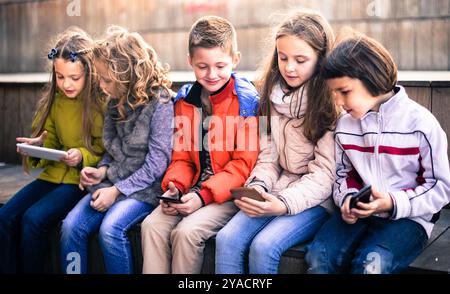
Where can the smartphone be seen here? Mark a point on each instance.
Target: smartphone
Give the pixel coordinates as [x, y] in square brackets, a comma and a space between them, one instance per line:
[175, 199]
[362, 195]
[237, 193]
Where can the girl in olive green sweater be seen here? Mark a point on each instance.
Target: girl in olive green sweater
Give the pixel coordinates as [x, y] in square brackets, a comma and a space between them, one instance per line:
[68, 117]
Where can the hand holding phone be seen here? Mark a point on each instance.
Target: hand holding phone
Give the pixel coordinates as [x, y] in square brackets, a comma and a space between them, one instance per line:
[238, 193]
[171, 195]
[362, 195]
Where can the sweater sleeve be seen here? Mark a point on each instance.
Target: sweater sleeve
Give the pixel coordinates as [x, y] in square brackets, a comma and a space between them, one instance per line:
[434, 174]
[267, 169]
[159, 155]
[316, 186]
[52, 140]
[90, 158]
[348, 180]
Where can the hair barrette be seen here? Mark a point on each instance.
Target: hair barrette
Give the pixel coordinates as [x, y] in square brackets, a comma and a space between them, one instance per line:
[52, 53]
[73, 56]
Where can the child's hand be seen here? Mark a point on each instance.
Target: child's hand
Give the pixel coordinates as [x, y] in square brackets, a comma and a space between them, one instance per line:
[255, 208]
[103, 198]
[346, 214]
[38, 141]
[91, 176]
[191, 202]
[382, 202]
[167, 209]
[73, 157]
[172, 191]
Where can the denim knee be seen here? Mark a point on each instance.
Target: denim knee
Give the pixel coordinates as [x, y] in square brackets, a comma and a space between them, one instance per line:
[108, 232]
[226, 237]
[261, 249]
[71, 227]
[32, 219]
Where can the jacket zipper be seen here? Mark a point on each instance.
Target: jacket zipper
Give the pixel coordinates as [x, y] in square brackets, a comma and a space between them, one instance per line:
[377, 153]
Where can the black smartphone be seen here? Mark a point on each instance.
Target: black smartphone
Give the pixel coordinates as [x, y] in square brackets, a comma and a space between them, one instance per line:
[362, 195]
[175, 199]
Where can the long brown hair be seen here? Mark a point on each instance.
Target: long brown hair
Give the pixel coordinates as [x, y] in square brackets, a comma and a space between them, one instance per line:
[134, 67]
[72, 41]
[320, 114]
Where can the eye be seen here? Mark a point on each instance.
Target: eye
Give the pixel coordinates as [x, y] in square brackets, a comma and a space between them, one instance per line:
[75, 79]
[59, 77]
[300, 61]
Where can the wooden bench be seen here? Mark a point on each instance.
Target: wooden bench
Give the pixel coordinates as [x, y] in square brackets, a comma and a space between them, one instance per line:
[434, 259]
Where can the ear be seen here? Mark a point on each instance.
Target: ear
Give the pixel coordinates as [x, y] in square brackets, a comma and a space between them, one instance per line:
[189, 59]
[236, 59]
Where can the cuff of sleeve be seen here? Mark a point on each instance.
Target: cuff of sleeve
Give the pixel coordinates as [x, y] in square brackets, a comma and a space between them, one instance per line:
[206, 196]
[121, 189]
[179, 187]
[256, 182]
[402, 206]
[200, 196]
[345, 197]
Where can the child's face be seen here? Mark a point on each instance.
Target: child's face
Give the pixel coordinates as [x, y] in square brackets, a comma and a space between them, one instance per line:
[212, 67]
[70, 77]
[352, 96]
[297, 60]
[108, 86]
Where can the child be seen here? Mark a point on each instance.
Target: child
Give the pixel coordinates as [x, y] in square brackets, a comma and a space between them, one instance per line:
[137, 136]
[389, 141]
[68, 117]
[220, 107]
[295, 168]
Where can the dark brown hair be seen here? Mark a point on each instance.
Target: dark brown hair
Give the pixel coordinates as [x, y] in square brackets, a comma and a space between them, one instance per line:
[212, 31]
[363, 58]
[320, 114]
[134, 67]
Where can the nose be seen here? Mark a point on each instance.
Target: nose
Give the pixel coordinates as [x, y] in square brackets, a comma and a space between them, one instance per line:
[211, 73]
[290, 66]
[337, 98]
[66, 83]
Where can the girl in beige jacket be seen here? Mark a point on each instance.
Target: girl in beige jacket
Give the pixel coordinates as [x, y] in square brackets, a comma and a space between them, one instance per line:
[296, 165]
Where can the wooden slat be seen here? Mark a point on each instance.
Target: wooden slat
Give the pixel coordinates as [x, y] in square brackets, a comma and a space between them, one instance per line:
[11, 111]
[407, 48]
[440, 109]
[421, 95]
[439, 41]
[423, 45]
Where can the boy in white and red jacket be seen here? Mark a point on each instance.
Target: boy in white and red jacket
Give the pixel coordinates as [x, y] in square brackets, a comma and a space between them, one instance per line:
[386, 140]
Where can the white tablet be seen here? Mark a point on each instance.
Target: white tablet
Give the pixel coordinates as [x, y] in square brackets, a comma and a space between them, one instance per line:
[42, 152]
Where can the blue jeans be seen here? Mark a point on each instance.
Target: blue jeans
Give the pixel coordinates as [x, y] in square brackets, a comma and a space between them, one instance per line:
[371, 245]
[25, 221]
[112, 225]
[264, 239]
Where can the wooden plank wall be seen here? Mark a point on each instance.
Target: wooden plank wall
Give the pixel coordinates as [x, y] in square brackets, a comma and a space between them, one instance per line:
[415, 31]
[17, 105]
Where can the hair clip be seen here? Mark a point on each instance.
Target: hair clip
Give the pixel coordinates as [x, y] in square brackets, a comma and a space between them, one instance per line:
[52, 53]
[73, 56]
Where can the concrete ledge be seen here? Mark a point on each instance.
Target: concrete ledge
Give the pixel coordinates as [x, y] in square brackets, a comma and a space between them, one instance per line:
[407, 78]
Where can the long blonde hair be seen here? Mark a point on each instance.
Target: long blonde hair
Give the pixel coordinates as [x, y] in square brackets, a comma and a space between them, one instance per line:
[320, 114]
[134, 67]
[72, 42]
